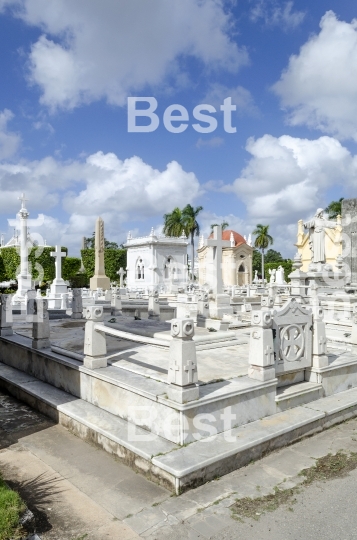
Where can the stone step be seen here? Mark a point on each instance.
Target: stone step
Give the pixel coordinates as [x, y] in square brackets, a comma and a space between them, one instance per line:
[179, 467]
[297, 394]
[135, 446]
[201, 461]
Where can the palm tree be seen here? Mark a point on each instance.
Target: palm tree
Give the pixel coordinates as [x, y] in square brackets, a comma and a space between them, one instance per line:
[262, 241]
[334, 209]
[173, 223]
[224, 225]
[192, 228]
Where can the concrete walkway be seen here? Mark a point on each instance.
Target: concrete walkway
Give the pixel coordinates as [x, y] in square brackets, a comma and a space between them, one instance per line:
[76, 489]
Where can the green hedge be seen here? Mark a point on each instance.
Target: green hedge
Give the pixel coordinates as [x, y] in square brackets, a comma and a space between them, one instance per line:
[70, 267]
[113, 260]
[10, 262]
[287, 264]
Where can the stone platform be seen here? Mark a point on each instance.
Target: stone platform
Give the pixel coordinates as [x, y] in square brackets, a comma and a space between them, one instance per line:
[124, 407]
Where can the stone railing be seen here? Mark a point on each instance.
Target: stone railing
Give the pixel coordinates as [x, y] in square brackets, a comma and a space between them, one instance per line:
[182, 368]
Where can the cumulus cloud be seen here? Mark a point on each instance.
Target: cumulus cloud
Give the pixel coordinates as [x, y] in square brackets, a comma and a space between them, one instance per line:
[90, 50]
[9, 142]
[241, 97]
[275, 14]
[119, 190]
[287, 178]
[319, 86]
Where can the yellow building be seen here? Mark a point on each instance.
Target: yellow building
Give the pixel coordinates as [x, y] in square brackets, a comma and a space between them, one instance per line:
[333, 244]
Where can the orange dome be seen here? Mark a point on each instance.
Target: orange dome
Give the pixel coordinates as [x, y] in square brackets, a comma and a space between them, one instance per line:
[226, 235]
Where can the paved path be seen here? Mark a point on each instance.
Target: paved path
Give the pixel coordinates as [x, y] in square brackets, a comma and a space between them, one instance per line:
[77, 489]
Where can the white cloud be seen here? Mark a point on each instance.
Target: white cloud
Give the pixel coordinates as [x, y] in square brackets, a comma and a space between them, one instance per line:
[319, 86]
[94, 50]
[119, 191]
[241, 97]
[9, 142]
[287, 178]
[274, 14]
[237, 224]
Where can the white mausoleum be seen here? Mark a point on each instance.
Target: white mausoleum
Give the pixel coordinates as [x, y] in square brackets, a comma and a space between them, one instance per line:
[236, 260]
[156, 261]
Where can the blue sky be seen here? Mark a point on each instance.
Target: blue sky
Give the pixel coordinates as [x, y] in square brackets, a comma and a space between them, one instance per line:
[68, 67]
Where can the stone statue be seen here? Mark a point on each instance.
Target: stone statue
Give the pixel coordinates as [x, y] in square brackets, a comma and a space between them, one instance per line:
[317, 227]
[255, 280]
[280, 276]
[272, 273]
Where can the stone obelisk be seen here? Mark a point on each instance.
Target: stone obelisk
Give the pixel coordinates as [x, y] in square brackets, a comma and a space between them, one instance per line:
[99, 280]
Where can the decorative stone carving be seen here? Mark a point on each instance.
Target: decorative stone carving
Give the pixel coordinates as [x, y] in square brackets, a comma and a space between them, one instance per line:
[5, 315]
[182, 374]
[77, 304]
[116, 306]
[95, 346]
[292, 327]
[261, 347]
[40, 325]
[319, 344]
[154, 305]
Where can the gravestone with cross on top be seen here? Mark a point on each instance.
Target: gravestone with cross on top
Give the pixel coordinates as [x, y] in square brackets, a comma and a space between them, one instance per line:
[221, 305]
[58, 285]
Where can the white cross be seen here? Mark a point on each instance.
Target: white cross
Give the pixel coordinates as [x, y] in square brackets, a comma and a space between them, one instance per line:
[217, 244]
[121, 273]
[23, 200]
[58, 254]
[190, 368]
[268, 352]
[174, 367]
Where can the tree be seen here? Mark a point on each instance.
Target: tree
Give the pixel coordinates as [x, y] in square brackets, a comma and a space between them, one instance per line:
[262, 241]
[173, 223]
[89, 243]
[334, 209]
[224, 225]
[273, 256]
[256, 261]
[192, 229]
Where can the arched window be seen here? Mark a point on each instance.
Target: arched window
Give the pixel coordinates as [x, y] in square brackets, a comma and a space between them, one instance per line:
[168, 267]
[139, 269]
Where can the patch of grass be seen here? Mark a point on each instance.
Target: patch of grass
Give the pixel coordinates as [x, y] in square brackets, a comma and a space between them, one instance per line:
[330, 467]
[11, 507]
[253, 508]
[325, 468]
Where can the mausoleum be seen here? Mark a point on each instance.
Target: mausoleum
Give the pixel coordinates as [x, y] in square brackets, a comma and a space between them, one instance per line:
[154, 261]
[236, 259]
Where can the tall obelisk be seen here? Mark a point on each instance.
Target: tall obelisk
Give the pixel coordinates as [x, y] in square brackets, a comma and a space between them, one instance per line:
[99, 280]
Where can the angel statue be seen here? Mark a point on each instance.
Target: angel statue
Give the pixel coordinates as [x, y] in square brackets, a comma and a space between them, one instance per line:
[317, 226]
[272, 273]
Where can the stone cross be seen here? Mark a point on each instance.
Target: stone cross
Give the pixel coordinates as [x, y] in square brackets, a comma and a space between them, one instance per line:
[58, 254]
[121, 273]
[23, 200]
[216, 243]
[191, 368]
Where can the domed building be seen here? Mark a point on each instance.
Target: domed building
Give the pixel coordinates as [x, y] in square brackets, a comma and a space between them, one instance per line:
[237, 256]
